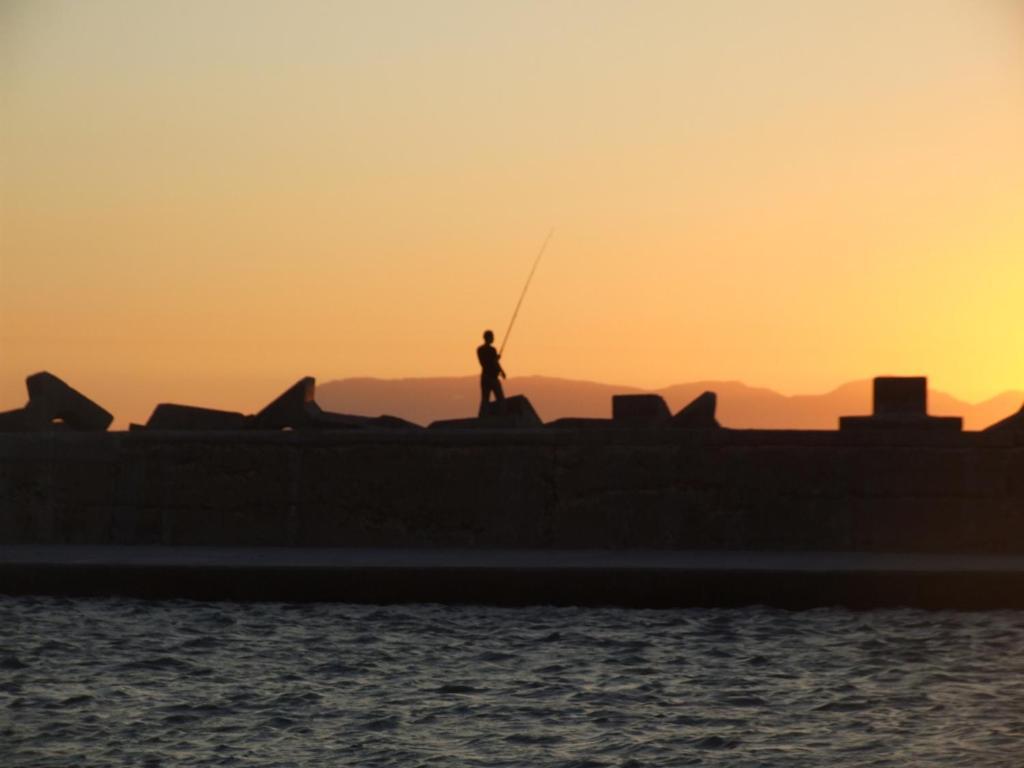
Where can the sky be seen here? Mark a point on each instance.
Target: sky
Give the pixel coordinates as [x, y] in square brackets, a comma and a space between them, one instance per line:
[202, 202]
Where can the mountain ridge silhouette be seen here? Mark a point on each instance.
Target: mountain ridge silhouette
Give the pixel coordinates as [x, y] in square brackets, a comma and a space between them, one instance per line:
[740, 406]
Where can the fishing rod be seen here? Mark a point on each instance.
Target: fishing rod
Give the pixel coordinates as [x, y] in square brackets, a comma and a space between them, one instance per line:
[515, 312]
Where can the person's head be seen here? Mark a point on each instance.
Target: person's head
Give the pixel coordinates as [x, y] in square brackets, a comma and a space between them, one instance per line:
[489, 337]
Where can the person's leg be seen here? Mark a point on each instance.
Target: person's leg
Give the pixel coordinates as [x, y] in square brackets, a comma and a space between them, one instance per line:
[496, 387]
[485, 392]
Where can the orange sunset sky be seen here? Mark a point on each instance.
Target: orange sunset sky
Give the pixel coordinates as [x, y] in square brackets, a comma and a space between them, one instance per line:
[203, 201]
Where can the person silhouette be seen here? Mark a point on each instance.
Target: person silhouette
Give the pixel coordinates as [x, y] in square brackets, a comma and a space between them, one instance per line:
[490, 370]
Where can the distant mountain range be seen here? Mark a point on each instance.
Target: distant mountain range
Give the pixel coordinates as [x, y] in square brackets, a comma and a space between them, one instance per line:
[739, 406]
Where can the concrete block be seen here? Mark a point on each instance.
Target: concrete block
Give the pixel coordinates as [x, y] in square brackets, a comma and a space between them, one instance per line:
[472, 423]
[901, 402]
[901, 396]
[516, 409]
[385, 421]
[578, 422]
[289, 409]
[19, 420]
[296, 408]
[514, 412]
[699, 414]
[50, 399]
[937, 423]
[1012, 423]
[173, 416]
[317, 418]
[640, 410]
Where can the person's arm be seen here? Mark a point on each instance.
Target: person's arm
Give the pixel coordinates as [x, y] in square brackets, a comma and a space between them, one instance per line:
[501, 371]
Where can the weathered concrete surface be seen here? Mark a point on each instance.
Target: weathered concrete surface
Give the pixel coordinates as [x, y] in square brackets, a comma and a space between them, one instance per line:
[516, 577]
[613, 488]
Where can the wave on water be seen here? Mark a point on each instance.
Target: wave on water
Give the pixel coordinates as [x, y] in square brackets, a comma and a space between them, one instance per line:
[95, 682]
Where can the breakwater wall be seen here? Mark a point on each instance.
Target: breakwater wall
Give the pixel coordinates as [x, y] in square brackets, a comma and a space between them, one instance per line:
[886, 491]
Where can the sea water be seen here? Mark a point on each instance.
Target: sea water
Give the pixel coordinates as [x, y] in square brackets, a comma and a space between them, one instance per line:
[129, 682]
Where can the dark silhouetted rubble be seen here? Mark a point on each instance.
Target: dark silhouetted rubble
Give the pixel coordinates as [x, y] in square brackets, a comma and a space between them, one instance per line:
[640, 410]
[321, 419]
[580, 422]
[465, 423]
[900, 402]
[515, 412]
[173, 416]
[52, 404]
[901, 396]
[647, 411]
[290, 409]
[50, 400]
[517, 409]
[18, 420]
[1012, 423]
[699, 413]
[296, 408]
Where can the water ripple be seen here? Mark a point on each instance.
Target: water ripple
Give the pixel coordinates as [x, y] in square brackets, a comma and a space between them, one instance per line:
[163, 683]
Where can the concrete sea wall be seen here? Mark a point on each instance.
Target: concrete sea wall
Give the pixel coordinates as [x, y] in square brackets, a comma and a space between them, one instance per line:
[885, 491]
